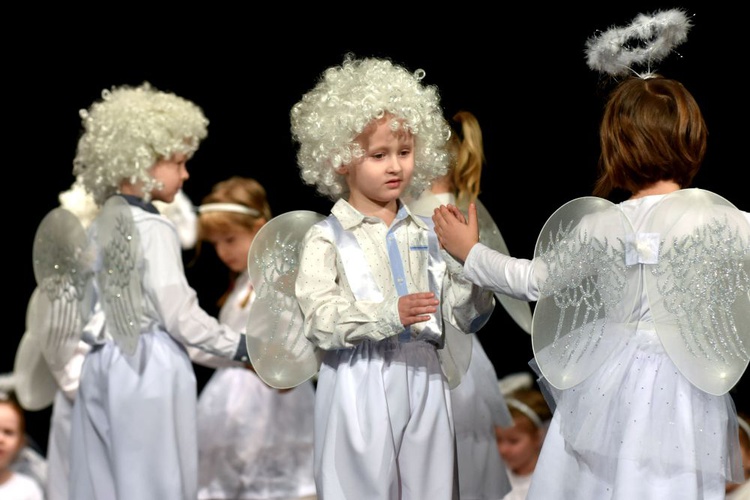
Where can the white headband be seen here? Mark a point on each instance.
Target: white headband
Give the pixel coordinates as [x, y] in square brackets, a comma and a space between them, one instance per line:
[744, 425]
[228, 207]
[526, 410]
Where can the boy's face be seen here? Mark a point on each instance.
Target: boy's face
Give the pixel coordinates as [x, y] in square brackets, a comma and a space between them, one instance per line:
[380, 177]
[171, 172]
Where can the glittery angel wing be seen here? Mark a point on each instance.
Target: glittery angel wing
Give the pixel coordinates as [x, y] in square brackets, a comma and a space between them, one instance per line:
[35, 385]
[63, 269]
[581, 273]
[118, 276]
[699, 290]
[280, 353]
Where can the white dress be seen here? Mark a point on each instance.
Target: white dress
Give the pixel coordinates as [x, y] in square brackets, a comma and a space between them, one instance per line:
[520, 486]
[20, 487]
[254, 442]
[634, 426]
[134, 433]
[383, 418]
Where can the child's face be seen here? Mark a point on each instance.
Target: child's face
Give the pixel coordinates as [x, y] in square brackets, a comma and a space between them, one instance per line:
[519, 445]
[171, 172]
[11, 438]
[232, 246]
[380, 177]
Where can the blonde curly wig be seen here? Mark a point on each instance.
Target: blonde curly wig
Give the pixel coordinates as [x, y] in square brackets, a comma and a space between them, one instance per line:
[128, 131]
[328, 118]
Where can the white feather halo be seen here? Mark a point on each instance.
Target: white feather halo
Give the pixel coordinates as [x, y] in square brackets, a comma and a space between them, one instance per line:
[647, 40]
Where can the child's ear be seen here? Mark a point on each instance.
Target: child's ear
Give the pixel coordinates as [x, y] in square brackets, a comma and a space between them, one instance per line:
[342, 169]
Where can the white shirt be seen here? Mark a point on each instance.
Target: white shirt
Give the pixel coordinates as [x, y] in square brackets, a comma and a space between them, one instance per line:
[334, 319]
[20, 487]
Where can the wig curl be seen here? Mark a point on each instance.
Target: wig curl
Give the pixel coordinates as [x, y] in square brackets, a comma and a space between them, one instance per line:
[128, 131]
[328, 118]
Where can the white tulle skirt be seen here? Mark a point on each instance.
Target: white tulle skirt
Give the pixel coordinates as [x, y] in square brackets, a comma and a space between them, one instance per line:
[637, 429]
[254, 441]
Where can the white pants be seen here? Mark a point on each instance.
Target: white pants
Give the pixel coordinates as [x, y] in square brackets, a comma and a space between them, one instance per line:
[384, 424]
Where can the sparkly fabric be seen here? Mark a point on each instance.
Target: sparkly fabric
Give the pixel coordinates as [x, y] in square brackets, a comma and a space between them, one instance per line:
[639, 412]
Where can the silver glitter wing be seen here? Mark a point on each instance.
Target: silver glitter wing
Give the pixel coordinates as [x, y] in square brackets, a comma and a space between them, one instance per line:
[581, 274]
[118, 276]
[35, 385]
[699, 290]
[63, 269]
[280, 353]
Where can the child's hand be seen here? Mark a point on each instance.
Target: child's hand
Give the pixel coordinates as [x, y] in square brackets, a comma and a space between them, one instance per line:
[416, 307]
[456, 235]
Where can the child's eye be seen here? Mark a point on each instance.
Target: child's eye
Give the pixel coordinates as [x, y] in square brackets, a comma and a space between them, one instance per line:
[378, 156]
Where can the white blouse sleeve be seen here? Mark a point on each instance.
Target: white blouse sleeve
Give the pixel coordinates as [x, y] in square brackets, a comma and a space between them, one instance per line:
[501, 273]
[175, 302]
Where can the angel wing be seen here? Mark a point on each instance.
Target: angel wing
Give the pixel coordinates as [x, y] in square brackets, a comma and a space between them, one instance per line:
[63, 268]
[699, 290]
[118, 277]
[581, 271]
[280, 353]
[35, 386]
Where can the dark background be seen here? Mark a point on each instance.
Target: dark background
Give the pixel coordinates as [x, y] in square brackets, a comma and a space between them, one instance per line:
[521, 70]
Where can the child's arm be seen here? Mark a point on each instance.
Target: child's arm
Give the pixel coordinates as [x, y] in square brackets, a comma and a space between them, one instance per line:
[333, 317]
[176, 302]
[483, 266]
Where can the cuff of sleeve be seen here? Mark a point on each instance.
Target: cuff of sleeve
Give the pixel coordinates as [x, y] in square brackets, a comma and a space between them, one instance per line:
[454, 267]
[242, 355]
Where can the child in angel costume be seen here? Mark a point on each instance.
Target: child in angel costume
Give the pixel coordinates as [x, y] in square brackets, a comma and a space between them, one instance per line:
[520, 443]
[122, 289]
[370, 286]
[478, 404]
[46, 374]
[642, 321]
[254, 441]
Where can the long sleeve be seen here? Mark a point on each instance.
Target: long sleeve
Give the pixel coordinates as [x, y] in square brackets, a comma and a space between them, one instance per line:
[501, 273]
[171, 302]
[333, 318]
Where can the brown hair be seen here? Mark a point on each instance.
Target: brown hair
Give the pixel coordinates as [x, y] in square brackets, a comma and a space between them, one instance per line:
[535, 401]
[652, 130]
[241, 191]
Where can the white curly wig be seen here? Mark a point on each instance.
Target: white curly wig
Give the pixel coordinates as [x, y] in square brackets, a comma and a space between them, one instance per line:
[128, 131]
[328, 118]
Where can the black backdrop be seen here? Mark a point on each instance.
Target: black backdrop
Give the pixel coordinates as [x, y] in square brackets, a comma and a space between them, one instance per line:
[520, 69]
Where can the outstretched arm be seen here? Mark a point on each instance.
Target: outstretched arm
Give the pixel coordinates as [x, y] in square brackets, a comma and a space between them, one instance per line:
[456, 235]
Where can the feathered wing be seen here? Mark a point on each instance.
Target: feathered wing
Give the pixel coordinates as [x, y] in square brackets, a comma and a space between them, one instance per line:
[34, 384]
[63, 268]
[280, 353]
[581, 272]
[699, 290]
[118, 276]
